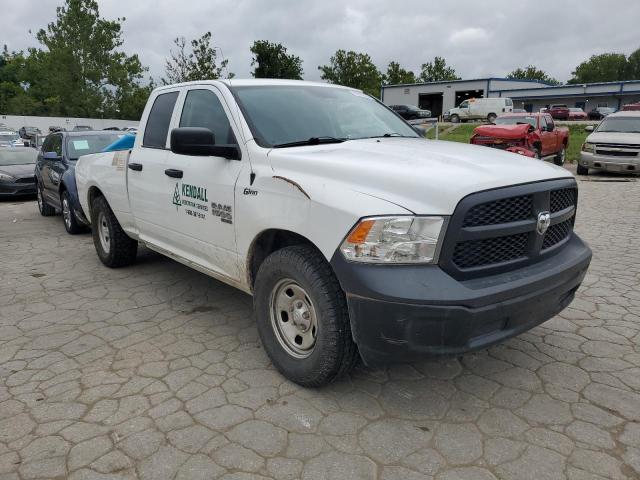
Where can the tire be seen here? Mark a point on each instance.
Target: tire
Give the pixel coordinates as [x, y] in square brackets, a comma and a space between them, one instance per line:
[45, 209]
[291, 282]
[491, 117]
[582, 170]
[560, 157]
[113, 246]
[536, 154]
[71, 223]
[455, 118]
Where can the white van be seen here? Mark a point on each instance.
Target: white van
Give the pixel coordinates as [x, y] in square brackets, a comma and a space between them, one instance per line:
[479, 109]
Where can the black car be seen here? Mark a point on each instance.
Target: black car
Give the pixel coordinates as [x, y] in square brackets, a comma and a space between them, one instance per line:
[55, 173]
[600, 112]
[16, 171]
[410, 112]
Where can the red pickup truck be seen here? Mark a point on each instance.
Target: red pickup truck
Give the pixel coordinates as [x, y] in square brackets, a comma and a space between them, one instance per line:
[531, 134]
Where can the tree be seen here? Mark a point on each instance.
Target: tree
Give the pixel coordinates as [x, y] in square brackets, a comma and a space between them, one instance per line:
[437, 71]
[397, 75]
[633, 65]
[353, 69]
[199, 64]
[13, 97]
[82, 66]
[532, 73]
[607, 67]
[272, 61]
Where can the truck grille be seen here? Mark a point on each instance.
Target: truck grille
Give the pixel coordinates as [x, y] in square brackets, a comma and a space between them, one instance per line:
[617, 150]
[496, 231]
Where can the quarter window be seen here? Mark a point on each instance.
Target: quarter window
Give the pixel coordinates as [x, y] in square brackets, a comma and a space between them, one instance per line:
[202, 108]
[155, 133]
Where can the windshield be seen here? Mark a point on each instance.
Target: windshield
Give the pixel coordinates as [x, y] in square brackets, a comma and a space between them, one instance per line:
[78, 145]
[620, 124]
[285, 114]
[516, 120]
[8, 137]
[17, 156]
[575, 110]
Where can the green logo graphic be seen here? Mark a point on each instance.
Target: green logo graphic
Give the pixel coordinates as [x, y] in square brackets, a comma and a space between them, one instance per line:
[177, 201]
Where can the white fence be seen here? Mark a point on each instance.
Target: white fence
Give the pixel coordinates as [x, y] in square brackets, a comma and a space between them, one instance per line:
[43, 123]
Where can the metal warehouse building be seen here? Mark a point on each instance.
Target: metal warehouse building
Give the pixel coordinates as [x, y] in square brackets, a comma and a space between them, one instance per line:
[528, 94]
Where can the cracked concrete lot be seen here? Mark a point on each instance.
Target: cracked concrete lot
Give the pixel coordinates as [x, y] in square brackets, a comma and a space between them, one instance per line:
[155, 372]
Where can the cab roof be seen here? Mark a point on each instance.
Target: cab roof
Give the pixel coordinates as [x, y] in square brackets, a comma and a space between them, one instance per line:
[247, 82]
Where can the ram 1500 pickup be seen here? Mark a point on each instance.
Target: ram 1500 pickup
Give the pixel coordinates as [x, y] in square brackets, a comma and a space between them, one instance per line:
[529, 134]
[355, 236]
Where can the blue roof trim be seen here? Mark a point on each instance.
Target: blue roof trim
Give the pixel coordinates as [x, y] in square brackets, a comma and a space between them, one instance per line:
[563, 95]
[469, 80]
[577, 85]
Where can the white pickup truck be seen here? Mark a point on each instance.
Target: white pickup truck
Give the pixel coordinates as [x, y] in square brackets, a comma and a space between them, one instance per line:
[355, 236]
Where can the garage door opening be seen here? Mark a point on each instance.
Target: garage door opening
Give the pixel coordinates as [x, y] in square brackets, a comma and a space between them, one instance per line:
[463, 95]
[432, 102]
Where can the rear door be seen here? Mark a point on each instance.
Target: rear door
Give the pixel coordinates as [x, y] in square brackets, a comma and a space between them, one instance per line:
[202, 200]
[146, 180]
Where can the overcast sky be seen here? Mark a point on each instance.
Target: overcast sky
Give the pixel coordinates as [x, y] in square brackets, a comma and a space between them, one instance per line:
[477, 38]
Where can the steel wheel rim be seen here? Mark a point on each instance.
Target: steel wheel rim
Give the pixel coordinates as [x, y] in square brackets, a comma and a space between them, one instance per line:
[293, 318]
[103, 232]
[66, 212]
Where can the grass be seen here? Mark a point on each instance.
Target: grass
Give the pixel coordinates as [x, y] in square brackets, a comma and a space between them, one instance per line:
[462, 133]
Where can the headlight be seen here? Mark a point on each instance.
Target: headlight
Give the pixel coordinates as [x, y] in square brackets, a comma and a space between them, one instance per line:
[395, 240]
[588, 147]
[4, 177]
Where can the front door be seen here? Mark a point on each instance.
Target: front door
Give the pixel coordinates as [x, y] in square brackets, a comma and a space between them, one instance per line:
[202, 200]
[51, 170]
[146, 180]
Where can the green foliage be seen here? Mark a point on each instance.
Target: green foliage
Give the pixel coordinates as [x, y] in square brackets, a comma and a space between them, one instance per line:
[608, 67]
[437, 71]
[397, 75]
[270, 60]
[532, 73]
[353, 69]
[199, 64]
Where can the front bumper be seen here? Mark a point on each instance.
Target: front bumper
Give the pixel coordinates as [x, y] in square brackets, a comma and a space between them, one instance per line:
[610, 163]
[10, 189]
[406, 312]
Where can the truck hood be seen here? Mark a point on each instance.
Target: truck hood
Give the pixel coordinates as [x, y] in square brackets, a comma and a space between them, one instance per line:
[509, 132]
[614, 137]
[423, 176]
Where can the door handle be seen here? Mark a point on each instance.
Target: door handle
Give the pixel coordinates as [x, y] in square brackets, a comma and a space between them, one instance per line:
[135, 166]
[170, 172]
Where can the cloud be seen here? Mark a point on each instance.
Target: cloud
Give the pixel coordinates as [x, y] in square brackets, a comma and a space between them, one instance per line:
[477, 39]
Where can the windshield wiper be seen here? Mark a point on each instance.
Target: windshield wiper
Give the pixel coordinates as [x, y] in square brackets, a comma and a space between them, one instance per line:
[311, 141]
[392, 134]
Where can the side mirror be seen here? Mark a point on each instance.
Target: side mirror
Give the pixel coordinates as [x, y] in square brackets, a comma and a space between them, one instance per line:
[51, 156]
[550, 128]
[201, 142]
[588, 128]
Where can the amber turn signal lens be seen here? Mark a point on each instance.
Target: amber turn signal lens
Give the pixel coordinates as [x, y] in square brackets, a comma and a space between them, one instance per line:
[359, 234]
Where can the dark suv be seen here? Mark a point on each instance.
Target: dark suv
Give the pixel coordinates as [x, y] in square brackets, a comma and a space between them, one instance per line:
[55, 173]
[410, 112]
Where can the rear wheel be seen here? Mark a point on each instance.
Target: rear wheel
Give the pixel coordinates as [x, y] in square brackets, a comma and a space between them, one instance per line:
[45, 209]
[491, 117]
[561, 156]
[114, 247]
[71, 223]
[582, 170]
[302, 317]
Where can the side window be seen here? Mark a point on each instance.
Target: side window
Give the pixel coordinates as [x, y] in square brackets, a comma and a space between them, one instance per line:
[155, 133]
[543, 122]
[550, 124]
[56, 144]
[46, 145]
[202, 108]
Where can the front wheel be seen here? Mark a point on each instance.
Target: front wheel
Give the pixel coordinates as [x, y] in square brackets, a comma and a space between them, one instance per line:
[302, 317]
[582, 170]
[113, 246]
[560, 157]
[455, 119]
[44, 208]
[71, 223]
[491, 117]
